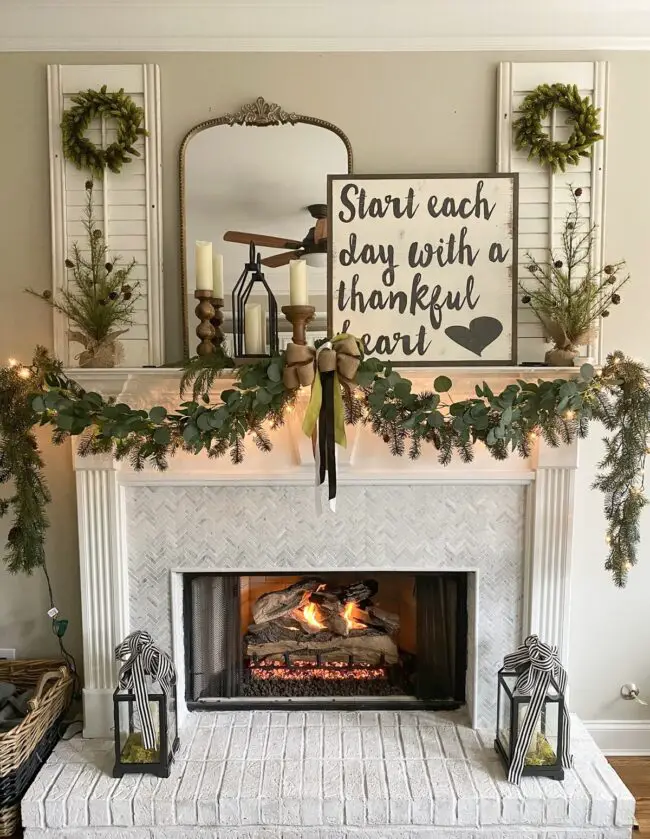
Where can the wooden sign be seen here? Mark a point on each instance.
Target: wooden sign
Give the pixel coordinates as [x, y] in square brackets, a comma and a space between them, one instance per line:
[423, 268]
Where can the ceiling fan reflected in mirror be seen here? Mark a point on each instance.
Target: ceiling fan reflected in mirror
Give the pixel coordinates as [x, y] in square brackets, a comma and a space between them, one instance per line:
[313, 248]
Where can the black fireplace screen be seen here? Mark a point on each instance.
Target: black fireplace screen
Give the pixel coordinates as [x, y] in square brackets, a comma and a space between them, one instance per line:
[390, 639]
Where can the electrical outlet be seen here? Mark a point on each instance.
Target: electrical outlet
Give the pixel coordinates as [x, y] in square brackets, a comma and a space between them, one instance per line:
[7, 655]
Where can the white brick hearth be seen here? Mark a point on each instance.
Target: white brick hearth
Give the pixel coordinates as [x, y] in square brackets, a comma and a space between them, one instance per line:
[326, 775]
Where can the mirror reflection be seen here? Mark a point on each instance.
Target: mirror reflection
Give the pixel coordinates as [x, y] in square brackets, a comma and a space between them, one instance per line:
[263, 184]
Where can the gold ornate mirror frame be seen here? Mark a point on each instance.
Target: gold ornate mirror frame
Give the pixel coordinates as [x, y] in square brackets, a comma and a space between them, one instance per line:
[260, 114]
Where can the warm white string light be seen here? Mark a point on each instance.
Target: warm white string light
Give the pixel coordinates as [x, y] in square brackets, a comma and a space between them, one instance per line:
[12, 362]
[24, 373]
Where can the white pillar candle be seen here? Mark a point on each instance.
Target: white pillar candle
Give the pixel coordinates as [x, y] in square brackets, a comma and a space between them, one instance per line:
[298, 283]
[203, 260]
[217, 274]
[253, 333]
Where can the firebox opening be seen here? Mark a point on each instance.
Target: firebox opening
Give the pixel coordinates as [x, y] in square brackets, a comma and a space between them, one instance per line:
[386, 638]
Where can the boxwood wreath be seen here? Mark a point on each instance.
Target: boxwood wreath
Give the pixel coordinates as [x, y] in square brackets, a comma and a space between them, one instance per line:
[560, 410]
[83, 152]
[583, 115]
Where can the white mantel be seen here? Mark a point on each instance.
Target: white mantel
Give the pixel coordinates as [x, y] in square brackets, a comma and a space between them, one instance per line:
[547, 478]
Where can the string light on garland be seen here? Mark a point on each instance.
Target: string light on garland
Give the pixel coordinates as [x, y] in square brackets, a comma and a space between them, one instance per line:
[583, 116]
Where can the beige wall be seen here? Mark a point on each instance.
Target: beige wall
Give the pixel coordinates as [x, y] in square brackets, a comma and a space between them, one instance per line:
[402, 112]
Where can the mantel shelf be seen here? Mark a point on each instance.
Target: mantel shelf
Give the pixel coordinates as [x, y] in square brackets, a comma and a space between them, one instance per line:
[150, 385]
[88, 375]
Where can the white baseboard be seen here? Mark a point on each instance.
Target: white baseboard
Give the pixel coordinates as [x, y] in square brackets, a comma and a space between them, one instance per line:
[621, 737]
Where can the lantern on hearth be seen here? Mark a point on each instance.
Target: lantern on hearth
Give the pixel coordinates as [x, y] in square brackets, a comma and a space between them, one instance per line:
[533, 730]
[144, 706]
[252, 301]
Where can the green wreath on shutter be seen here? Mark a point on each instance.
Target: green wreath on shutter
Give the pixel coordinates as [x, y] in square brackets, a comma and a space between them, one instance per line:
[583, 115]
[94, 103]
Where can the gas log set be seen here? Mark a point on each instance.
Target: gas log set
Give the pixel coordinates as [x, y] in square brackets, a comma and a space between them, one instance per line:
[314, 638]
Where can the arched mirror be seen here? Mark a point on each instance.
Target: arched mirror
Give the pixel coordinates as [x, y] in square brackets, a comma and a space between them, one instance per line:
[269, 182]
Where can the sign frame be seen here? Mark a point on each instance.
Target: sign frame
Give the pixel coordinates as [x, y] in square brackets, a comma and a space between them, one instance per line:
[513, 177]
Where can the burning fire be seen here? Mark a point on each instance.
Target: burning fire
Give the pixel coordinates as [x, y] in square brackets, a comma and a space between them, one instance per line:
[348, 614]
[312, 616]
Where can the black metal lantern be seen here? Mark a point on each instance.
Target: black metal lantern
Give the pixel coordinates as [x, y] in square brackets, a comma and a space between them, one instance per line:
[144, 709]
[536, 745]
[253, 280]
[131, 754]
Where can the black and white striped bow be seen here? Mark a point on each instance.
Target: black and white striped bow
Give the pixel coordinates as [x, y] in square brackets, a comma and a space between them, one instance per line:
[537, 664]
[142, 658]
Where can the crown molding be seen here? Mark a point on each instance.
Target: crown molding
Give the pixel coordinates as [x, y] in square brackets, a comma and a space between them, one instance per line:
[321, 25]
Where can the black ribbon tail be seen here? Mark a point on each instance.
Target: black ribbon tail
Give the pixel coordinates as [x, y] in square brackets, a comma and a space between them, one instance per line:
[326, 442]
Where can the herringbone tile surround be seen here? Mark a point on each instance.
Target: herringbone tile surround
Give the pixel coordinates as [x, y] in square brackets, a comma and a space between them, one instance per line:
[274, 528]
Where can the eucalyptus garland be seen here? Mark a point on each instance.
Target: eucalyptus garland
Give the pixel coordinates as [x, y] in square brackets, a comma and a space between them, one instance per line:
[509, 421]
[583, 115]
[83, 152]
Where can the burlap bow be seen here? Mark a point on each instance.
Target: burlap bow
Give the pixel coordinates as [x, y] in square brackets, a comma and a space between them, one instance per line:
[300, 368]
[537, 664]
[341, 356]
[333, 363]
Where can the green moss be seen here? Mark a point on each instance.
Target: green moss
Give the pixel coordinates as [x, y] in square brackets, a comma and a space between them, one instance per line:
[540, 752]
[134, 752]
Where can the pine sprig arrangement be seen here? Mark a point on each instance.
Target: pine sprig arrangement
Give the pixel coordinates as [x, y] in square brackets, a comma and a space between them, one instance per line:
[568, 293]
[100, 296]
[506, 422]
[583, 115]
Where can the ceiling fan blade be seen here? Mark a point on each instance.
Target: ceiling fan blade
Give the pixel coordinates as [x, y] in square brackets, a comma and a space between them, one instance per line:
[260, 240]
[320, 230]
[279, 259]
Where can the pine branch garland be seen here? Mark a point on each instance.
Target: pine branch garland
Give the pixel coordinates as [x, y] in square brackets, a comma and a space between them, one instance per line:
[505, 422]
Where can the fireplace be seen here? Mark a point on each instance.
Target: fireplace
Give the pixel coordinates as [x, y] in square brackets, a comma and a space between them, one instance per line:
[386, 639]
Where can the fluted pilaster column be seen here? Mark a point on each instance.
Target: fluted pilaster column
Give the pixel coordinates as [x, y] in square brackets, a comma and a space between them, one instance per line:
[104, 584]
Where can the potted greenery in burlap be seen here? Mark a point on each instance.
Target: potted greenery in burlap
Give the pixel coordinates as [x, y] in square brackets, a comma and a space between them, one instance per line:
[98, 298]
[568, 293]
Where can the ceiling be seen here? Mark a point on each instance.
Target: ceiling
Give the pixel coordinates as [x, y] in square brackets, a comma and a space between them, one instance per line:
[323, 25]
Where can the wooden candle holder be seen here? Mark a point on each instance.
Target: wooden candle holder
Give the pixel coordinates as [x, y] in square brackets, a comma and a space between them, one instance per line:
[205, 331]
[299, 317]
[217, 321]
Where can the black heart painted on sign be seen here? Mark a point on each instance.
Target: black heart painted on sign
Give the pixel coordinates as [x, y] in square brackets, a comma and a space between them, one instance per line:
[480, 334]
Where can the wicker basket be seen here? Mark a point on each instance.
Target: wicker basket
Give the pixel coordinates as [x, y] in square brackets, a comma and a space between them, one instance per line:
[26, 747]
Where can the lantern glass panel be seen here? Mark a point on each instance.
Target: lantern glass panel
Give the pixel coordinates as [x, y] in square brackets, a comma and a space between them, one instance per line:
[132, 749]
[506, 690]
[544, 743]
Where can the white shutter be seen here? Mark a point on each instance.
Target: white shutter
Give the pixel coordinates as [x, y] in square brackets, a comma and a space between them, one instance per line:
[128, 206]
[544, 197]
